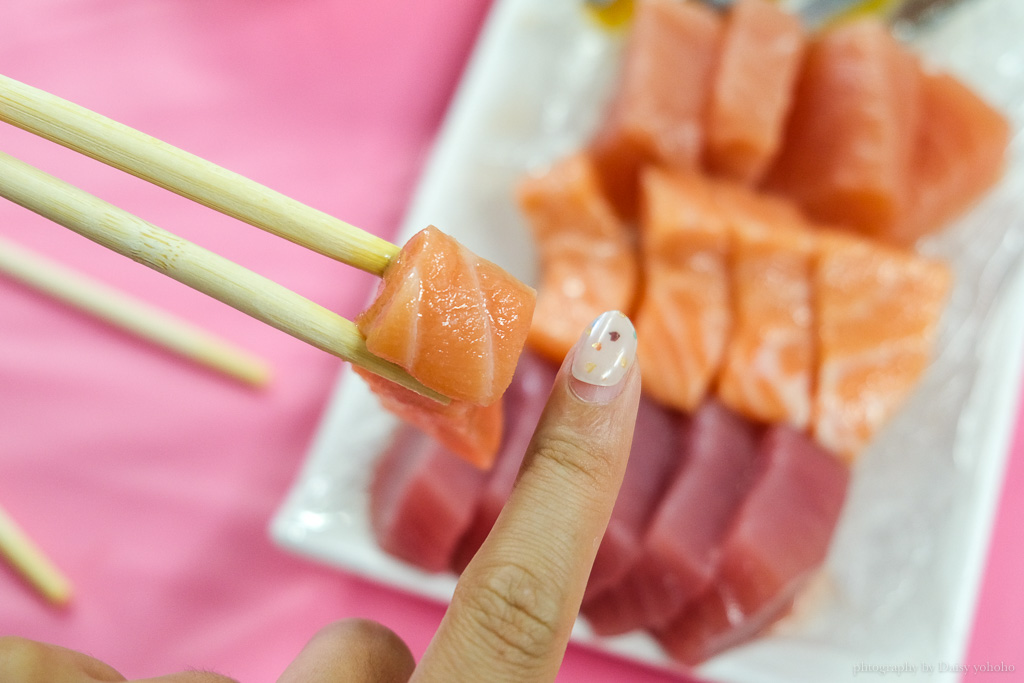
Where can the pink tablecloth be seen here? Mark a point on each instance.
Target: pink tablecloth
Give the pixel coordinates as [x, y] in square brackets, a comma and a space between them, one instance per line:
[151, 482]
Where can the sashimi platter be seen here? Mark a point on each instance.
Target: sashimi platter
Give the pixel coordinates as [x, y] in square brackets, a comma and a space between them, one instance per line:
[818, 231]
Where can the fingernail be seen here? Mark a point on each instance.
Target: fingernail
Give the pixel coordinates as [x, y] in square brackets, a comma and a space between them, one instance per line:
[604, 354]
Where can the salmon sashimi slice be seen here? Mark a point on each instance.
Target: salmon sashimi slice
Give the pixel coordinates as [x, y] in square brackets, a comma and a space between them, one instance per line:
[684, 316]
[453, 320]
[768, 370]
[588, 261]
[762, 49]
[658, 112]
[471, 431]
[878, 310]
[848, 145]
[960, 152]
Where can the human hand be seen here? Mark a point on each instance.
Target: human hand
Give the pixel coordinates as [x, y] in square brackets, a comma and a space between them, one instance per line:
[515, 604]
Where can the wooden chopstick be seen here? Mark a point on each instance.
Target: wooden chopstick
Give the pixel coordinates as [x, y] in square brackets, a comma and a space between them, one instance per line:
[194, 266]
[29, 561]
[130, 314]
[185, 174]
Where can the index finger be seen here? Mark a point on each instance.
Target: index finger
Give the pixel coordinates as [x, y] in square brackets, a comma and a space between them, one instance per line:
[516, 602]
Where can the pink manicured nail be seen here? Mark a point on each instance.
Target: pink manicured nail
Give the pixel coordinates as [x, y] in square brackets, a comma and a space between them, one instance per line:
[605, 351]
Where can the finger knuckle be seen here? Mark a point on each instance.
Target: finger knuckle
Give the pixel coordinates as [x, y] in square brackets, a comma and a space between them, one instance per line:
[377, 641]
[516, 614]
[569, 457]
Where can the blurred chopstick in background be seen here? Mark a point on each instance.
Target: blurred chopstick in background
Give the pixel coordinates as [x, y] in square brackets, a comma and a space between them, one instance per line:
[30, 562]
[131, 314]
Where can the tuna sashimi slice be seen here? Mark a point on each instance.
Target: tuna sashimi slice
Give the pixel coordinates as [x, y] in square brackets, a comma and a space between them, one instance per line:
[658, 112]
[778, 538]
[523, 403]
[753, 88]
[653, 460]
[422, 499]
[878, 310]
[960, 152]
[706, 628]
[471, 431]
[588, 260]
[768, 370]
[683, 318]
[847, 150]
[455, 321]
[679, 554]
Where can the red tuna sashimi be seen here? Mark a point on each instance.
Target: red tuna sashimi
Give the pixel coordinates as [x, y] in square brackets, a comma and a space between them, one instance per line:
[753, 88]
[455, 321]
[768, 370]
[653, 460]
[678, 558]
[706, 628]
[587, 256]
[523, 403]
[777, 539]
[960, 152]
[847, 151]
[470, 431]
[422, 498]
[684, 315]
[659, 110]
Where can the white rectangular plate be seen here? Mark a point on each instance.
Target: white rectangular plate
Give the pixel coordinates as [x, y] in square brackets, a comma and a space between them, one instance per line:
[901, 579]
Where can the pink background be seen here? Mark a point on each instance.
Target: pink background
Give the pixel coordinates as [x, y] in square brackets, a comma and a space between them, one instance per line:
[151, 482]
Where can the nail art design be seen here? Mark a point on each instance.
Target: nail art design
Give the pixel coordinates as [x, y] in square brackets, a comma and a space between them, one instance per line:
[606, 351]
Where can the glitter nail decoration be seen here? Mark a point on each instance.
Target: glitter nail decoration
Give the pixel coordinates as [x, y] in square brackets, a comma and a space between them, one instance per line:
[607, 351]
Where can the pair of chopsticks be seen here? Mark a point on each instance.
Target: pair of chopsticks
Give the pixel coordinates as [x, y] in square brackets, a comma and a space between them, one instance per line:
[166, 166]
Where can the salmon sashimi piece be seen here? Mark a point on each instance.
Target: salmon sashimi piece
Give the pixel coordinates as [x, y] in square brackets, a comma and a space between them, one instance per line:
[658, 112]
[847, 150]
[753, 86]
[421, 499]
[588, 262]
[679, 553]
[960, 152]
[778, 538]
[768, 370]
[471, 431]
[683, 319]
[453, 320]
[878, 310]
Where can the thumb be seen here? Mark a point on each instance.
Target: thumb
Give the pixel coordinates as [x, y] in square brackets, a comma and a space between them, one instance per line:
[516, 602]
